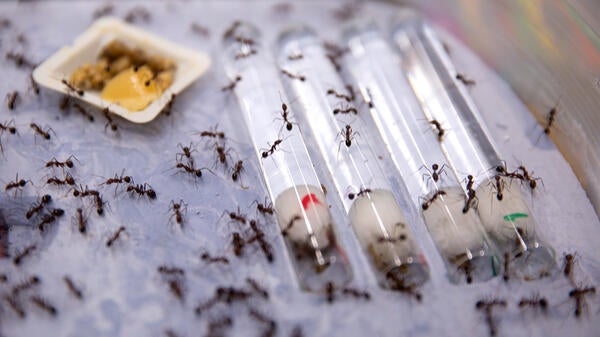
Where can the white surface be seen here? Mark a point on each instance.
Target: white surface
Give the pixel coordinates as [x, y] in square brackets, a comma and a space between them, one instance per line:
[124, 296]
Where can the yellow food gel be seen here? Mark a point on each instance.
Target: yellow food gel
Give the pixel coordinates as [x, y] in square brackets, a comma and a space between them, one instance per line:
[131, 89]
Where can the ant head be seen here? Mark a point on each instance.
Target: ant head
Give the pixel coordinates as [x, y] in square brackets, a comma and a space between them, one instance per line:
[46, 198]
[198, 173]
[22, 182]
[58, 212]
[152, 194]
[127, 179]
[351, 196]
[348, 142]
[288, 126]
[470, 177]
[284, 106]
[265, 154]
[12, 130]
[434, 166]
[47, 136]
[69, 163]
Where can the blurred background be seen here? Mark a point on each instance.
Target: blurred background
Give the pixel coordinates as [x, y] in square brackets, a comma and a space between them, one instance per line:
[549, 52]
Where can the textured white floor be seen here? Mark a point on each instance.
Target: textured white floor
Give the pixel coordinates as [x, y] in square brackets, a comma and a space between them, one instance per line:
[123, 293]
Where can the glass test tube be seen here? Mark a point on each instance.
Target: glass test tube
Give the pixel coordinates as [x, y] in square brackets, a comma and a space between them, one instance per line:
[470, 150]
[300, 205]
[374, 213]
[459, 235]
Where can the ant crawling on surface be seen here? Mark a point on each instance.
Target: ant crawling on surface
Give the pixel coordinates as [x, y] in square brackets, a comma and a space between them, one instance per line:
[361, 192]
[38, 130]
[331, 290]
[487, 307]
[466, 81]
[17, 185]
[430, 201]
[435, 173]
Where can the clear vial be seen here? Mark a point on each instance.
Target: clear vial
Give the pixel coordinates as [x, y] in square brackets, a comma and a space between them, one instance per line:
[301, 208]
[469, 149]
[327, 106]
[459, 235]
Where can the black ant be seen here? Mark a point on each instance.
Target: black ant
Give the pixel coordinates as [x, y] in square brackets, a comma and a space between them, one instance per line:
[55, 163]
[465, 80]
[72, 88]
[171, 270]
[186, 151]
[271, 325]
[81, 221]
[331, 289]
[200, 30]
[333, 92]
[579, 295]
[12, 100]
[73, 288]
[178, 209]
[264, 208]
[206, 257]
[231, 29]
[99, 204]
[34, 85]
[270, 151]
[14, 304]
[65, 102]
[176, 289]
[25, 285]
[44, 200]
[17, 185]
[290, 224]
[569, 263]
[293, 76]
[241, 218]
[213, 134]
[237, 169]
[190, 168]
[284, 115]
[20, 60]
[79, 108]
[469, 181]
[348, 134]
[68, 180]
[238, 243]
[534, 301]
[532, 181]
[8, 126]
[115, 236]
[109, 121]
[50, 218]
[499, 185]
[487, 306]
[259, 237]
[37, 129]
[244, 40]
[253, 284]
[222, 153]
[232, 84]
[23, 254]
[345, 111]
[295, 57]
[399, 284]
[551, 117]
[430, 201]
[141, 190]
[362, 191]
[437, 126]
[471, 200]
[436, 171]
[244, 54]
[169, 106]
[44, 305]
[84, 192]
[119, 180]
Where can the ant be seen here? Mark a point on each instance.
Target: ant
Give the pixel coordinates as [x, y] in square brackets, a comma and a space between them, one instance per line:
[115, 236]
[506, 275]
[214, 259]
[238, 243]
[232, 84]
[81, 192]
[437, 126]
[178, 209]
[430, 201]
[141, 190]
[44, 133]
[262, 243]
[73, 288]
[241, 218]
[44, 305]
[216, 326]
[222, 153]
[7, 127]
[25, 285]
[170, 270]
[231, 29]
[169, 106]
[569, 263]
[109, 121]
[69, 180]
[50, 218]
[293, 76]
[499, 185]
[469, 181]
[77, 107]
[20, 60]
[244, 40]
[46, 199]
[345, 111]
[271, 325]
[186, 152]
[529, 178]
[119, 180]
[244, 54]
[370, 102]
[435, 173]
[15, 306]
[399, 284]
[534, 301]
[332, 91]
[200, 30]
[190, 168]
[72, 88]
[579, 295]
[284, 115]
[487, 306]
[257, 288]
[331, 288]
[99, 204]
[295, 57]
[465, 80]
[55, 163]
[176, 289]
[290, 224]
[17, 185]
[264, 208]
[65, 102]
[12, 99]
[348, 134]
[471, 200]
[362, 191]
[237, 169]
[81, 221]
[270, 151]
[213, 134]
[551, 117]
[23, 254]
